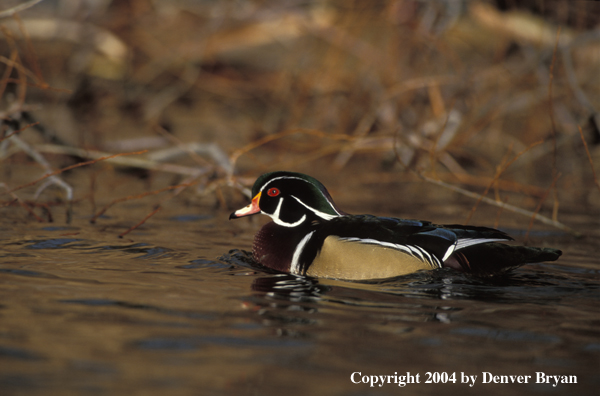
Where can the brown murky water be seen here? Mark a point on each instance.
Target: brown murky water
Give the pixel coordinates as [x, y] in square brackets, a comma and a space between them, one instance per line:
[176, 308]
[362, 93]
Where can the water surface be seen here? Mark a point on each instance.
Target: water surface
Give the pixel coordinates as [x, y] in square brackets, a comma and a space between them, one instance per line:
[178, 308]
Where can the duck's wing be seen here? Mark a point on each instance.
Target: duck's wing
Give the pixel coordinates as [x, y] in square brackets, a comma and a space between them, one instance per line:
[434, 245]
[426, 245]
[420, 239]
[440, 241]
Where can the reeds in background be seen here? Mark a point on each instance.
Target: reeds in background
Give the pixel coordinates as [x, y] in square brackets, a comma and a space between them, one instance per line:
[481, 98]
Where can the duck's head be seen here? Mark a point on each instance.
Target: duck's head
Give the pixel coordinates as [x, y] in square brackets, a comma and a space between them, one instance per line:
[290, 199]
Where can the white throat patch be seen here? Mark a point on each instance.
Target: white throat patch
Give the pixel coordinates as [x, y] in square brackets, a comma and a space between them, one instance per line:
[277, 220]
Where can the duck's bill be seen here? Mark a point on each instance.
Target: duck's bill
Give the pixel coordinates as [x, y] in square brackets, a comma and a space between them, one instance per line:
[247, 210]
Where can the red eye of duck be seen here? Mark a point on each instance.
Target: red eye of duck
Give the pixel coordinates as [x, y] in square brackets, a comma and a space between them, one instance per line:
[273, 192]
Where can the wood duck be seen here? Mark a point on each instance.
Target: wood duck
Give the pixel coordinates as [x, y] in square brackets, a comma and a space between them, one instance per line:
[310, 235]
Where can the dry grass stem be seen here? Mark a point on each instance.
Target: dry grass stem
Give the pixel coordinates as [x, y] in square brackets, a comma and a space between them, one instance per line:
[117, 160]
[504, 206]
[17, 131]
[341, 87]
[567, 57]
[18, 8]
[501, 185]
[138, 196]
[20, 201]
[262, 141]
[211, 150]
[499, 171]
[553, 124]
[539, 206]
[158, 207]
[51, 175]
[57, 172]
[587, 151]
[184, 147]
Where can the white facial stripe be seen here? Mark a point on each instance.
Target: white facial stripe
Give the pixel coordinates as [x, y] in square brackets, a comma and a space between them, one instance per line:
[322, 215]
[281, 177]
[276, 213]
[277, 220]
[283, 223]
[295, 267]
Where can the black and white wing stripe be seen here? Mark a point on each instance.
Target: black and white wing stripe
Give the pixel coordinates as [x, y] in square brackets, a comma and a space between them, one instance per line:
[413, 250]
[466, 242]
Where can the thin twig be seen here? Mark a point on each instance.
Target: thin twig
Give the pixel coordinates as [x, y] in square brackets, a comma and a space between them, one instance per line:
[581, 39]
[20, 68]
[257, 143]
[499, 171]
[178, 189]
[30, 54]
[18, 8]
[18, 131]
[212, 150]
[539, 206]
[50, 175]
[133, 162]
[553, 124]
[14, 55]
[184, 147]
[502, 185]
[182, 186]
[587, 151]
[21, 202]
[138, 196]
[158, 207]
[59, 171]
[503, 205]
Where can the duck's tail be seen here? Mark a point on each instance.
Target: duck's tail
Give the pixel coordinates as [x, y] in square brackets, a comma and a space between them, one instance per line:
[496, 258]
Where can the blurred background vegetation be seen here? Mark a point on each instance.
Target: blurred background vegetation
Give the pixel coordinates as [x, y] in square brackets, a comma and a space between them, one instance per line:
[403, 102]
